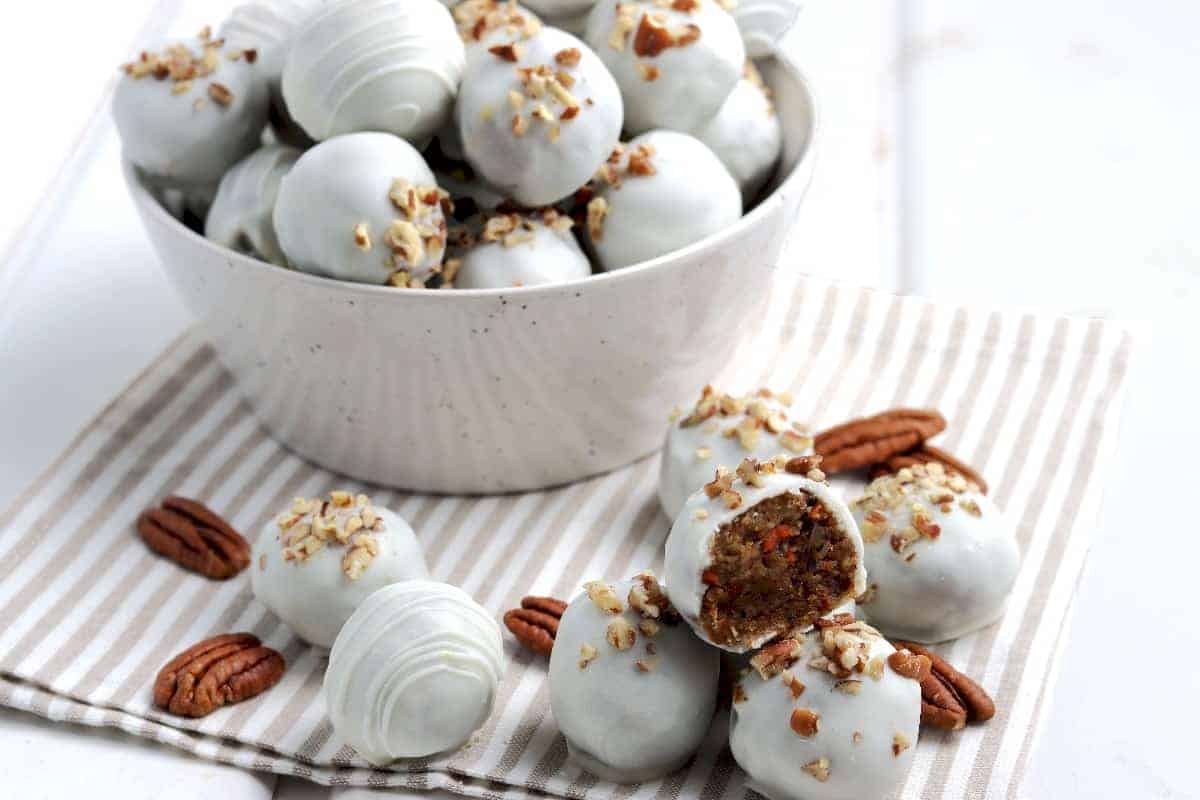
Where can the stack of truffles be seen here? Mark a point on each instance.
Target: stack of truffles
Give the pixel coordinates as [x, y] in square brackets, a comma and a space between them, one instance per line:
[777, 595]
[479, 144]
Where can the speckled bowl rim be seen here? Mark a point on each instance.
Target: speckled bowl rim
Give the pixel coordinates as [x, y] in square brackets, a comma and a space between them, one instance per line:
[753, 217]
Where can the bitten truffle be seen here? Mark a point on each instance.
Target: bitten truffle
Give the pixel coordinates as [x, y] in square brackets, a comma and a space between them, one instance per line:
[941, 557]
[632, 689]
[319, 560]
[760, 551]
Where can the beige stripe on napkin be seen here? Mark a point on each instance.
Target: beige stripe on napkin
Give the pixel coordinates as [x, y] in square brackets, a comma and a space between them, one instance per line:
[1031, 401]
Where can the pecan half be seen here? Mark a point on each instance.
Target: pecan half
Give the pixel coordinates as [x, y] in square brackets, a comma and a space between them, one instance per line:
[535, 623]
[871, 440]
[927, 454]
[949, 699]
[217, 672]
[195, 538]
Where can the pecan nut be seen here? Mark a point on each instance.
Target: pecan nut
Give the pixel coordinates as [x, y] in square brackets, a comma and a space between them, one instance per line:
[194, 537]
[871, 440]
[949, 699]
[535, 623]
[928, 454]
[217, 672]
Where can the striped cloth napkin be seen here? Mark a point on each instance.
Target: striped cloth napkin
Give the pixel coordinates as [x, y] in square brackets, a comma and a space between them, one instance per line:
[90, 614]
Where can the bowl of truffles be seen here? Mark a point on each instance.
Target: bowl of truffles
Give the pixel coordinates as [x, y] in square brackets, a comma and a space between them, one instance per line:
[470, 247]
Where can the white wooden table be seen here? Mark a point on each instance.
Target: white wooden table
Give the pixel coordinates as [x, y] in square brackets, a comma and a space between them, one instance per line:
[1025, 153]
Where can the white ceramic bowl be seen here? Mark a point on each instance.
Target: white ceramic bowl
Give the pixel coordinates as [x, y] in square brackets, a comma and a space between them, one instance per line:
[488, 390]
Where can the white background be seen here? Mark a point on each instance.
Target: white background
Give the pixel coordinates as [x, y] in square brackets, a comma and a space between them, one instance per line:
[1021, 154]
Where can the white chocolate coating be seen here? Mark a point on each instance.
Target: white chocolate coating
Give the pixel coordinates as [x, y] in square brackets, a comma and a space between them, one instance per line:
[932, 589]
[268, 27]
[176, 131]
[460, 187]
[414, 672]
[624, 722]
[681, 85]
[746, 135]
[781, 764]
[343, 183]
[555, 9]
[532, 137]
[689, 545]
[374, 65]
[314, 594]
[242, 215]
[700, 441]
[690, 196]
[533, 253]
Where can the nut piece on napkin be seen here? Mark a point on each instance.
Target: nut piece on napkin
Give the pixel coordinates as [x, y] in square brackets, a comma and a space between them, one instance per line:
[870, 440]
[216, 672]
[195, 538]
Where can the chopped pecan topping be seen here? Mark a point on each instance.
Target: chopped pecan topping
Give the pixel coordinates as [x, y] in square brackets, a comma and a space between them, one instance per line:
[819, 769]
[928, 454]
[620, 634]
[805, 722]
[587, 654]
[603, 597]
[776, 657]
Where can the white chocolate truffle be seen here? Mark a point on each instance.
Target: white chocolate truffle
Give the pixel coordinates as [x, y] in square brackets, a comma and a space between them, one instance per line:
[483, 24]
[522, 250]
[318, 561]
[242, 215]
[414, 672]
[267, 27]
[374, 65]
[746, 135]
[826, 716]
[362, 207]
[675, 62]
[941, 557]
[539, 117]
[760, 552]
[666, 191]
[721, 430]
[189, 111]
[632, 690]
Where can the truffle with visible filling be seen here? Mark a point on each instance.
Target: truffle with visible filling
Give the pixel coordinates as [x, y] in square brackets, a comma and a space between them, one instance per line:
[315, 563]
[632, 689]
[720, 430]
[241, 216]
[675, 62]
[363, 207]
[660, 192]
[374, 65]
[189, 110]
[538, 117]
[941, 557]
[762, 551]
[414, 671]
[832, 714]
